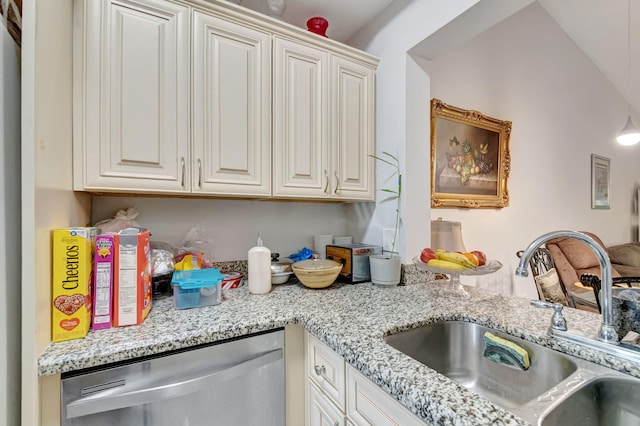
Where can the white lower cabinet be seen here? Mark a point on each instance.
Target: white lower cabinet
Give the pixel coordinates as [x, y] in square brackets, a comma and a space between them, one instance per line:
[367, 404]
[321, 411]
[337, 394]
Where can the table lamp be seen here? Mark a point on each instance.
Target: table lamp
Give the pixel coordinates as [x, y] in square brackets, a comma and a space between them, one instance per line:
[447, 235]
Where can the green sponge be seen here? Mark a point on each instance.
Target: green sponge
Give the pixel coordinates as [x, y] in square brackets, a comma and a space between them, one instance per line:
[505, 352]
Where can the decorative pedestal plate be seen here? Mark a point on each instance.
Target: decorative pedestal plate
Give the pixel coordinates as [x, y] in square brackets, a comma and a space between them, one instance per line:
[453, 287]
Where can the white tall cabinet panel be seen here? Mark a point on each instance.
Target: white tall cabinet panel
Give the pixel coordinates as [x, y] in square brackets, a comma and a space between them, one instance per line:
[353, 127]
[132, 96]
[300, 116]
[231, 108]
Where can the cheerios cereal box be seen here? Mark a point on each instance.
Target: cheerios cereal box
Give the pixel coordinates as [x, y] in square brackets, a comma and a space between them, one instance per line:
[72, 283]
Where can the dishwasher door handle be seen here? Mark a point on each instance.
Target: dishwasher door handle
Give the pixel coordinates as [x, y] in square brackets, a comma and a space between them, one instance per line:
[99, 404]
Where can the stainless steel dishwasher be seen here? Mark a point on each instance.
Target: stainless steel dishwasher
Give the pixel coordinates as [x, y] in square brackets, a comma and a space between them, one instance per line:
[236, 383]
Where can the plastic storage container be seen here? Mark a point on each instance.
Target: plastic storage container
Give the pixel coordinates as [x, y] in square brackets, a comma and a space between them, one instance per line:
[196, 288]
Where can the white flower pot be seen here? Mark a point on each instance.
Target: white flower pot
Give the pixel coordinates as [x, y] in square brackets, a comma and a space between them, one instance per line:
[385, 270]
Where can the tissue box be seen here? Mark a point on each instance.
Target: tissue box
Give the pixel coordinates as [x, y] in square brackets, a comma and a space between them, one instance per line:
[72, 256]
[196, 288]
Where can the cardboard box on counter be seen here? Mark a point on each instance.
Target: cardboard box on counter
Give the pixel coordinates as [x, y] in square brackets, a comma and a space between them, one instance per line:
[132, 290]
[72, 279]
[103, 281]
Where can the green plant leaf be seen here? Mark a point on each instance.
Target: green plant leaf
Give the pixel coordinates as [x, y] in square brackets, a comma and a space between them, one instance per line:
[397, 192]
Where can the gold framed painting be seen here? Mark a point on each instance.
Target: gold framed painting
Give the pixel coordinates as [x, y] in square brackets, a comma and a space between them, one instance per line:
[470, 161]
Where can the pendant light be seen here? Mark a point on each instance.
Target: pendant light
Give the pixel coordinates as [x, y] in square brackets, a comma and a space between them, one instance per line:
[629, 135]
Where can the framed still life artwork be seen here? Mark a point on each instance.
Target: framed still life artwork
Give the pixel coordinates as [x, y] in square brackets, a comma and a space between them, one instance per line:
[470, 161]
[600, 182]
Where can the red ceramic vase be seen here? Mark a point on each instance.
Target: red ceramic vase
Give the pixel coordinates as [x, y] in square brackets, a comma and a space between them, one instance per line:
[318, 25]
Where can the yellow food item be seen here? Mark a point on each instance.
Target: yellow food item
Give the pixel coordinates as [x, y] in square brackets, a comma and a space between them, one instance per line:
[438, 263]
[452, 256]
[471, 258]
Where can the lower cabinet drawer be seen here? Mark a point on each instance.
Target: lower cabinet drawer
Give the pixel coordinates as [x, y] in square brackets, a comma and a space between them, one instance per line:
[367, 404]
[326, 369]
[320, 410]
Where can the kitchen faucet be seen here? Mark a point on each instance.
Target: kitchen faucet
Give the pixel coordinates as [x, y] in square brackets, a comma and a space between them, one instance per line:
[607, 332]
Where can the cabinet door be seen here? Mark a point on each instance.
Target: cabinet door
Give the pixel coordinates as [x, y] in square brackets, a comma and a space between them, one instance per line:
[320, 410]
[367, 404]
[231, 108]
[131, 67]
[326, 369]
[300, 100]
[353, 130]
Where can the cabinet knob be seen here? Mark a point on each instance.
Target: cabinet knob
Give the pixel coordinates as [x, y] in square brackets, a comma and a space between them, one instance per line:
[320, 369]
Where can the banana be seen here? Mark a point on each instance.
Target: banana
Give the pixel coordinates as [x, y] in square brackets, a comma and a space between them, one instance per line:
[445, 264]
[452, 256]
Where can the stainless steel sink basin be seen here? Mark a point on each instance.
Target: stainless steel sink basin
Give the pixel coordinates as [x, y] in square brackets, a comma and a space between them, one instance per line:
[455, 349]
[610, 401]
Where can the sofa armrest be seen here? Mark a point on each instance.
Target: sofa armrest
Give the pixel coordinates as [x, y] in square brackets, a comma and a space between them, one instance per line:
[626, 270]
[626, 255]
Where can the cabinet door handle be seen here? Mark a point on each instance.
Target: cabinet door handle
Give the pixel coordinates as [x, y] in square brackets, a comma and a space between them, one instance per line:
[320, 369]
[182, 164]
[326, 187]
[199, 173]
[337, 182]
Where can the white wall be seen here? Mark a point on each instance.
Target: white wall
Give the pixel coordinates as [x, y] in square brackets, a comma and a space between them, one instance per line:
[286, 227]
[527, 70]
[47, 198]
[9, 230]
[398, 29]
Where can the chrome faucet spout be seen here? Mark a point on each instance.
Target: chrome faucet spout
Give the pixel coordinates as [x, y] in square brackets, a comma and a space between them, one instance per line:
[607, 332]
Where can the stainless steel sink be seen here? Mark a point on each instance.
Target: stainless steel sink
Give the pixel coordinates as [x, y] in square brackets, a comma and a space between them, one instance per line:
[557, 389]
[455, 349]
[610, 401]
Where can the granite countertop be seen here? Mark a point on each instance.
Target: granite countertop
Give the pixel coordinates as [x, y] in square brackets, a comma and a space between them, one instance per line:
[351, 319]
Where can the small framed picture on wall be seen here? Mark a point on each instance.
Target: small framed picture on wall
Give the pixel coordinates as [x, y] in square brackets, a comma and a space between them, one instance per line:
[600, 182]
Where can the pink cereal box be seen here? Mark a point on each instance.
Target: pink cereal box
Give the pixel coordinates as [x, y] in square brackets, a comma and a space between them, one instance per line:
[103, 282]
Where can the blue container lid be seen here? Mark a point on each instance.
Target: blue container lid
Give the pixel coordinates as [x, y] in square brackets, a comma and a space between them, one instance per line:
[197, 278]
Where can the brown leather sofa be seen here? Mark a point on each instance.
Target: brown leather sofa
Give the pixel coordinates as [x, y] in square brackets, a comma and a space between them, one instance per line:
[625, 258]
[573, 258]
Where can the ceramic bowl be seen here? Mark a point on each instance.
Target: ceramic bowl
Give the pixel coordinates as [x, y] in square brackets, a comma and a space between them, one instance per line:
[317, 273]
[280, 277]
[280, 266]
[231, 280]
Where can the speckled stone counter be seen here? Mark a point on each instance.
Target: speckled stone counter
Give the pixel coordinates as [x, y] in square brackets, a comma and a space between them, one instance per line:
[351, 319]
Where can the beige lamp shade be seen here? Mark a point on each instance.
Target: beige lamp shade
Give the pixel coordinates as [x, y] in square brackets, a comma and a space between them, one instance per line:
[447, 235]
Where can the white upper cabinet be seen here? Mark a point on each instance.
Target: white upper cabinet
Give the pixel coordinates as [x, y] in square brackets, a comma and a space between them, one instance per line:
[174, 97]
[131, 103]
[301, 120]
[324, 124]
[231, 108]
[352, 129]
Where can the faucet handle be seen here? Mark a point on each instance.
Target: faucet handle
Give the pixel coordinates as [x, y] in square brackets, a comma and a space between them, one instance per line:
[558, 322]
